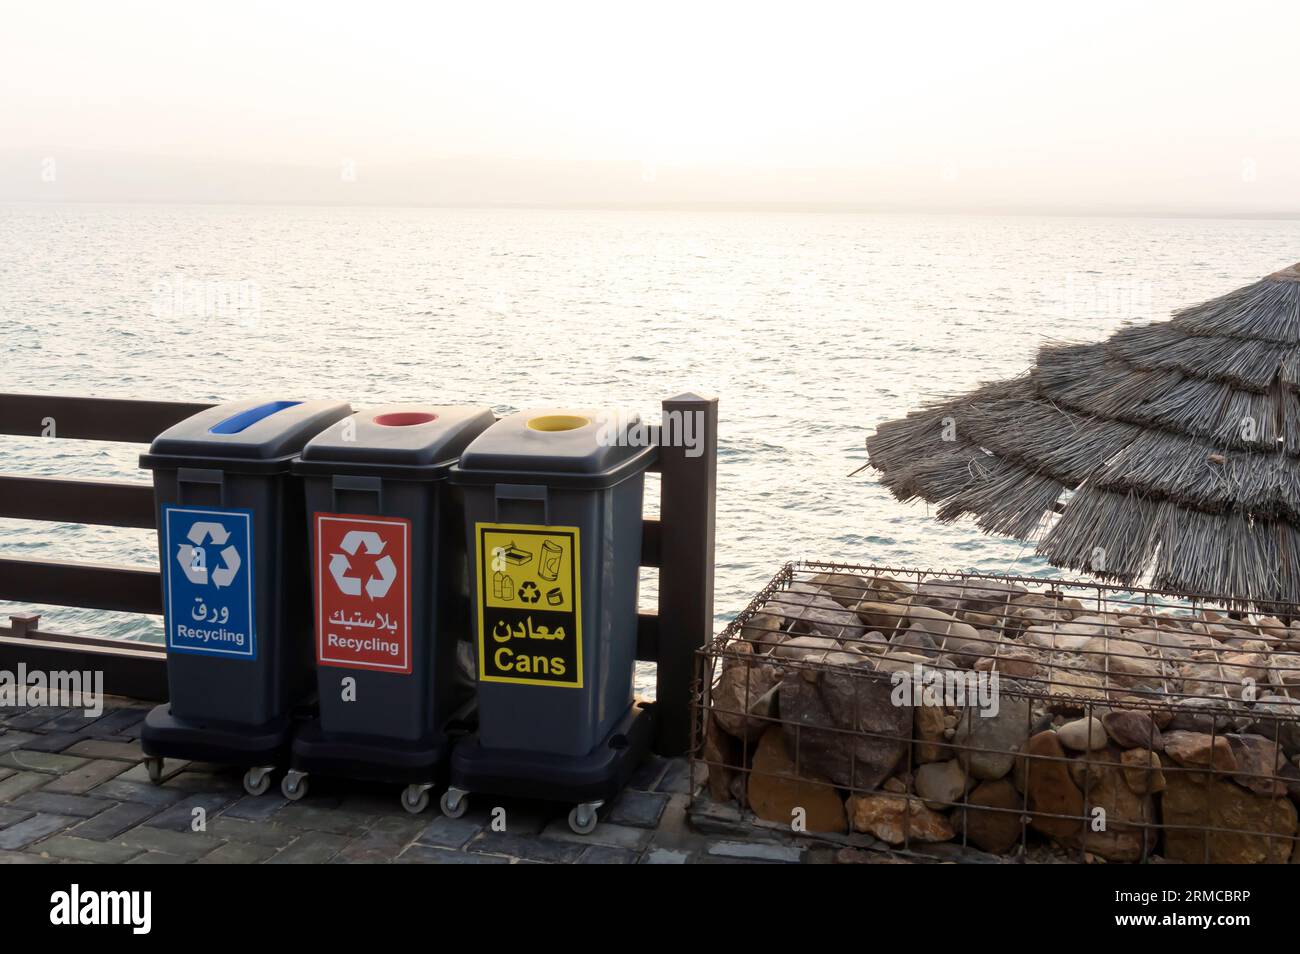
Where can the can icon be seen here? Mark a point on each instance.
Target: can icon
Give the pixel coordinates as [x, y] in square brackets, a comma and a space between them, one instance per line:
[549, 565]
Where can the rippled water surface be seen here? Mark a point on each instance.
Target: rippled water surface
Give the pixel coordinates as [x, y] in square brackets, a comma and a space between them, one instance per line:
[812, 328]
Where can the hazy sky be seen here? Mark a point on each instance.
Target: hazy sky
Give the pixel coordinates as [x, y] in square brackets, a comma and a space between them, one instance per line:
[1179, 105]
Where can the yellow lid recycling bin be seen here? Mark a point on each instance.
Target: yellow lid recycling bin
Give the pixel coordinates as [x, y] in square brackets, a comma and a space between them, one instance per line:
[553, 517]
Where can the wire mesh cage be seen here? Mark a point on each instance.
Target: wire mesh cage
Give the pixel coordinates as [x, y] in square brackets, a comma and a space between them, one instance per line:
[1025, 717]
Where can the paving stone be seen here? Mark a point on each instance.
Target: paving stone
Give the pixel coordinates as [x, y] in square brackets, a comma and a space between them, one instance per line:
[158, 858]
[688, 843]
[118, 722]
[714, 818]
[136, 792]
[32, 829]
[55, 803]
[256, 807]
[54, 742]
[605, 855]
[140, 773]
[313, 848]
[648, 774]
[237, 853]
[605, 833]
[402, 826]
[72, 720]
[14, 740]
[206, 782]
[81, 780]
[20, 782]
[519, 816]
[426, 855]
[676, 778]
[371, 848]
[675, 819]
[181, 816]
[665, 856]
[103, 749]
[254, 833]
[523, 846]
[35, 716]
[21, 858]
[48, 795]
[9, 816]
[756, 851]
[311, 818]
[31, 761]
[444, 832]
[189, 845]
[86, 850]
[113, 821]
[638, 809]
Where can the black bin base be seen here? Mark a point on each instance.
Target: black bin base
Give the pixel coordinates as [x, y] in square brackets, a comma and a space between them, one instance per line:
[165, 736]
[597, 776]
[369, 758]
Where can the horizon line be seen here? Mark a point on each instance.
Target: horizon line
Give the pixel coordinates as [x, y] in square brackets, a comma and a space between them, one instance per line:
[824, 208]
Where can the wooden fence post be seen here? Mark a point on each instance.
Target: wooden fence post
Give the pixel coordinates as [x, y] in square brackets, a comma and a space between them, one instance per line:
[688, 461]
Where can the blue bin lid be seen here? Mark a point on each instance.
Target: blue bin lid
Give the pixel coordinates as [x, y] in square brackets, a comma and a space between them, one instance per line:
[392, 438]
[594, 443]
[256, 430]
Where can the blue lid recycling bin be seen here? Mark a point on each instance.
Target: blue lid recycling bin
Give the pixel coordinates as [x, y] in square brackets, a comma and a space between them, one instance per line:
[233, 561]
[553, 518]
[389, 594]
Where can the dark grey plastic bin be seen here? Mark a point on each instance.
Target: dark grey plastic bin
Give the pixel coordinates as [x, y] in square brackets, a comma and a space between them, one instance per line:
[389, 594]
[232, 553]
[553, 518]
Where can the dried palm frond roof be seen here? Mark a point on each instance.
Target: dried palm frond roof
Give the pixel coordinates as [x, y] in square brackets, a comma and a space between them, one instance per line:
[1171, 450]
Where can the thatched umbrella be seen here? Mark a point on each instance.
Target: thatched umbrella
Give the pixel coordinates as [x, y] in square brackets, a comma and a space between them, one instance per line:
[1170, 451]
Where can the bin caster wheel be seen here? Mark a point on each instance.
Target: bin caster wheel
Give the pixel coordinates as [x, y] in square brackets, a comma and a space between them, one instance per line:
[415, 798]
[154, 767]
[453, 802]
[294, 785]
[582, 819]
[257, 780]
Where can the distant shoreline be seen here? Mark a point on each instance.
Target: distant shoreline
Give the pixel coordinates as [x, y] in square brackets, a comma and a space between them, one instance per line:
[796, 208]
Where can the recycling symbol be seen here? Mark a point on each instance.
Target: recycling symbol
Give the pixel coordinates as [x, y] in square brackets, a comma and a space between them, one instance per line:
[528, 592]
[376, 586]
[192, 556]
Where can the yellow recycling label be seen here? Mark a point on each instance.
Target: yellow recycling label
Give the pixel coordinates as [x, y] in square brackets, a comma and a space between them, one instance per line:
[529, 605]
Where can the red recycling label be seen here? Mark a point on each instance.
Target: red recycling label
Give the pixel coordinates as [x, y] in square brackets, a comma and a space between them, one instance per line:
[362, 569]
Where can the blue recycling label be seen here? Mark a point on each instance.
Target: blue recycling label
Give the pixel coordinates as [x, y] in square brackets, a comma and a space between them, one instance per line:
[208, 601]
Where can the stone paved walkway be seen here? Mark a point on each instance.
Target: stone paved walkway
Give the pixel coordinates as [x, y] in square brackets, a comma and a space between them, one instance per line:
[74, 789]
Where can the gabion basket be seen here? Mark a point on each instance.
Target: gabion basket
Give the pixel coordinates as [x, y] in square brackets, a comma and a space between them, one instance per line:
[1021, 717]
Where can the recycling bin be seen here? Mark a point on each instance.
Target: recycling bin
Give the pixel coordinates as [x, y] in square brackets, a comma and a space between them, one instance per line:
[389, 595]
[553, 520]
[236, 596]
